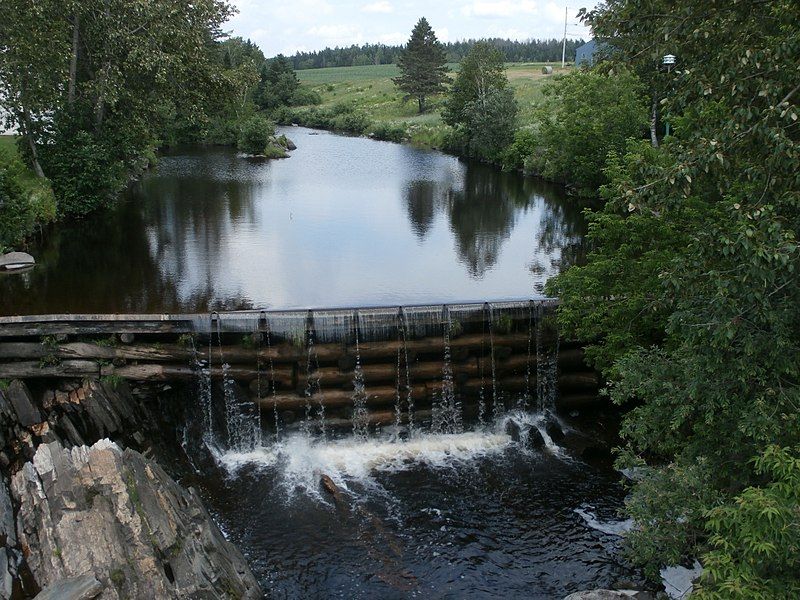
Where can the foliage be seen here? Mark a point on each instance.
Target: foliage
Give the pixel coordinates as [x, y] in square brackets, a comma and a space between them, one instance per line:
[490, 123]
[756, 537]
[480, 71]
[24, 203]
[422, 65]
[256, 133]
[586, 115]
[278, 84]
[715, 381]
[390, 132]
[517, 154]
[379, 54]
[339, 117]
[92, 98]
[481, 106]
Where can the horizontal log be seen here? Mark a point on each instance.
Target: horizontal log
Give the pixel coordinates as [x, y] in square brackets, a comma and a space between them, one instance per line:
[35, 369]
[375, 418]
[155, 372]
[375, 396]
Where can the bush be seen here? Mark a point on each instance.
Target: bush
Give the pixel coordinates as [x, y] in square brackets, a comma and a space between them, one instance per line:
[352, 122]
[517, 155]
[255, 134]
[24, 203]
[756, 538]
[390, 132]
[490, 124]
[304, 96]
[586, 115]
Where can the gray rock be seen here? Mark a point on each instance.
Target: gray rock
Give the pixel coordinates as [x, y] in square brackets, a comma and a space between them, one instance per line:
[19, 396]
[16, 260]
[118, 516]
[84, 587]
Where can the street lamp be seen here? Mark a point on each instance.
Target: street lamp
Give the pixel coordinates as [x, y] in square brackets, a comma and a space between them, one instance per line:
[668, 61]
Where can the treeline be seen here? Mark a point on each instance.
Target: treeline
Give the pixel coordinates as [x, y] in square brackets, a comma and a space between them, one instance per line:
[380, 54]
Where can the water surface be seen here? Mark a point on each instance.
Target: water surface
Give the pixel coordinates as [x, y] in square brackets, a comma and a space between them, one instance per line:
[344, 222]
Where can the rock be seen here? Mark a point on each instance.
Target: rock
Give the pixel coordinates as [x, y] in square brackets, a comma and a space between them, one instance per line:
[16, 260]
[19, 396]
[84, 587]
[534, 439]
[553, 429]
[610, 595]
[513, 431]
[118, 516]
[290, 145]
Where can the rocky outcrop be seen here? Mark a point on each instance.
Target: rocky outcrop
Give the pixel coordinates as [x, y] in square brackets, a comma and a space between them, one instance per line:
[117, 516]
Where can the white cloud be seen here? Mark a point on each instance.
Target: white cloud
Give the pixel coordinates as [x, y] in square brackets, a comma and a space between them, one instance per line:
[499, 8]
[381, 7]
[336, 35]
[393, 39]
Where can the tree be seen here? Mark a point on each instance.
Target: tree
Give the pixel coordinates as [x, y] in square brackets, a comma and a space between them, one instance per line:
[423, 65]
[490, 123]
[586, 115]
[480, 106]
[715, 381]
[278, 85]
[103, 78]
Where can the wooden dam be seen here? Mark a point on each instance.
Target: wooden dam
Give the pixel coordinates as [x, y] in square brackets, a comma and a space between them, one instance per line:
[290, 361]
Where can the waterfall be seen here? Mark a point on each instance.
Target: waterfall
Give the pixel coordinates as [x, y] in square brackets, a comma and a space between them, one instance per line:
[546, 360]
[447, 417]
[434, 368]
[360, 410]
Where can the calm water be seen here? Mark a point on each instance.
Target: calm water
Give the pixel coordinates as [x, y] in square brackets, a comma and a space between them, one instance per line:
[344, 222]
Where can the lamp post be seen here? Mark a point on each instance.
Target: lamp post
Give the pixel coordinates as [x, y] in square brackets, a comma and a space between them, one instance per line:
[668, 61]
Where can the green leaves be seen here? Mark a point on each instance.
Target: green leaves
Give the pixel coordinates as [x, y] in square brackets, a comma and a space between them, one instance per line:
[423, 65]
[690, 295]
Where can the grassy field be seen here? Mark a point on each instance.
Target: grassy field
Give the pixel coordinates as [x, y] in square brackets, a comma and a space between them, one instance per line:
[370, 88]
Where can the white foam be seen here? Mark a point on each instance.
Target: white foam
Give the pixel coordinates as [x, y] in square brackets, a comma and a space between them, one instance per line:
[300, 460]
[678, 581]
[609, 527]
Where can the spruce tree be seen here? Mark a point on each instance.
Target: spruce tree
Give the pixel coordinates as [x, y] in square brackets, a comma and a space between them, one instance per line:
[423, 65]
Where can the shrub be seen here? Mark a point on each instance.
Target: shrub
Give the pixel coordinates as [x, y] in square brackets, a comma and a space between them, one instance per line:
[517, 155]
[586, 115]
[390, 132]
[304, 96]
[351, 122]
[255, 134]
[24, 203]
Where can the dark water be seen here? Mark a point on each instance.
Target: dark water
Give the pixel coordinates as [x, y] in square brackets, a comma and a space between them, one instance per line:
[343, 222]
[498, 525]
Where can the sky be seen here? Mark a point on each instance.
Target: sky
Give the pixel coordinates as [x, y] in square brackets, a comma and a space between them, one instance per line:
[289, 26]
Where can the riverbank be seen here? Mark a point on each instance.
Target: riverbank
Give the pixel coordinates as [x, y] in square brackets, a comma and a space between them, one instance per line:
[365, 101]
[27, 203]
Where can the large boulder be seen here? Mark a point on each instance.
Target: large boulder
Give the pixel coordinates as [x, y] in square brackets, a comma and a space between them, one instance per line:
[119, 517]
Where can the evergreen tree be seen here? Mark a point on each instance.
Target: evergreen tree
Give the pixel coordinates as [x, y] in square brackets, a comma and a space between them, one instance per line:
[423, 65]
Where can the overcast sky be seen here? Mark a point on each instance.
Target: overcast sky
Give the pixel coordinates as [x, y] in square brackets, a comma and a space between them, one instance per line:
[288, 26]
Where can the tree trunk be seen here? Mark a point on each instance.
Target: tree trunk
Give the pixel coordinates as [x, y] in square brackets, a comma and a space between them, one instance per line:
[73, 63]
[654, 121]
[421, 100]
[28, 133]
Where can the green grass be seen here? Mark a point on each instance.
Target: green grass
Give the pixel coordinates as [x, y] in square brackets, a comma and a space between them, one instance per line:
[370, 89]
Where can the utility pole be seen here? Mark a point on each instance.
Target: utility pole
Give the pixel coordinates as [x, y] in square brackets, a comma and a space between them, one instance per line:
[564, 43]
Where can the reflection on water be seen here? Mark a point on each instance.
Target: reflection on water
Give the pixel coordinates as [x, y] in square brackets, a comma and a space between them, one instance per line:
[345, 221]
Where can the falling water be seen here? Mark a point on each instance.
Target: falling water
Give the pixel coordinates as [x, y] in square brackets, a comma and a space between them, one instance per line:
[546, 362]
[524, 401]
[403, 334]
[496, 410]
[447, 414]
[360, 411]
[271, 366]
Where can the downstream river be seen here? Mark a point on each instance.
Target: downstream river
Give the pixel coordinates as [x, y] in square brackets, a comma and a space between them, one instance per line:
[344, 222]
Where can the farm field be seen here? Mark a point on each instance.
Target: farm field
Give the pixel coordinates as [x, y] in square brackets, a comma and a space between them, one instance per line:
[370, 88]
